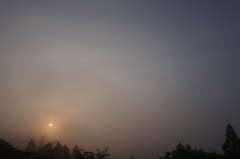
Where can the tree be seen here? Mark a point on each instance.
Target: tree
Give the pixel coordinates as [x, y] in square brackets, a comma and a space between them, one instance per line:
[7, 151]
[78, 153]
[168, 155]
[31, 145]
[102, 154]
[231, 146]
[61, 152]
[47, 151]
[180, 152]
[40, 146]
[186, 152]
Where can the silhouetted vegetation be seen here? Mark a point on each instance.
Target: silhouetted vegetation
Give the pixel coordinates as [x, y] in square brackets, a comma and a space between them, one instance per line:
[186, 152]
[7, 151]
[231, 146]
[41, 148]
[231, 149]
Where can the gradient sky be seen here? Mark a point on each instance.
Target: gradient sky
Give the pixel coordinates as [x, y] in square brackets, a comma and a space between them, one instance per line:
[137, 76]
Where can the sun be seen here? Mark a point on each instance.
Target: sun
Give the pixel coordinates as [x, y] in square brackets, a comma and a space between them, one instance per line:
[50, 124]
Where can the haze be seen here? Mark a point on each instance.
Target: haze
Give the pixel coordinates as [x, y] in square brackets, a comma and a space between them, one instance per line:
[137, 76]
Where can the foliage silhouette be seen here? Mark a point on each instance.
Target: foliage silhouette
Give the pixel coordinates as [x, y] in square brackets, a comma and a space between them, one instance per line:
[7, 151]
[102, 154]
[186, 152]
[231, 146]
[231, 149]
[41, 148]
[61, 152]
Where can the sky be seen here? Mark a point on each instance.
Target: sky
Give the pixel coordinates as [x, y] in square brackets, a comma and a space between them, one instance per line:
[137, 76]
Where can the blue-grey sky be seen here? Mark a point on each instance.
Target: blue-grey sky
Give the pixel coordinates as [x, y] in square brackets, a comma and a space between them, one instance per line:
[137, 76]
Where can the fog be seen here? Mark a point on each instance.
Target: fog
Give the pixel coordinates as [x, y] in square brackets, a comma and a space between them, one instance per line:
[135, 76]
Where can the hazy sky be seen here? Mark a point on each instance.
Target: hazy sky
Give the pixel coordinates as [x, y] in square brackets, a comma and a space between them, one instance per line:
[137, 76]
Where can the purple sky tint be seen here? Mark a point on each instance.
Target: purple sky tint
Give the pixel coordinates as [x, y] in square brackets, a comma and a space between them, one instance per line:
[136, 76]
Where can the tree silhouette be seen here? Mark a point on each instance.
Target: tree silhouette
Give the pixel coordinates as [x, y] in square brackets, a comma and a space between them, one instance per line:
[31, 145]
[186, 152]
[41, 146]
[47, 151]
[102, 154]
[231, 146]
[7, 151]
[61, 152]
[180, 152]
[77, 153]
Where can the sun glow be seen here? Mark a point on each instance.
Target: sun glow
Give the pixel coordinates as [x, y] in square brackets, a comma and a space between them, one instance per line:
[50, 124]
